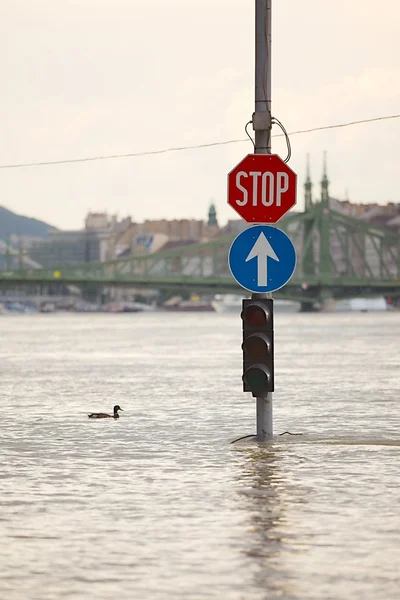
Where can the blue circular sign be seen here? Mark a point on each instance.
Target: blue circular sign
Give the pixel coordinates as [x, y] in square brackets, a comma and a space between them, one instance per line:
[262, 259]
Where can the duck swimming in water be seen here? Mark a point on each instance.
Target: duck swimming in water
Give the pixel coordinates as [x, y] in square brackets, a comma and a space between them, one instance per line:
[106, 415]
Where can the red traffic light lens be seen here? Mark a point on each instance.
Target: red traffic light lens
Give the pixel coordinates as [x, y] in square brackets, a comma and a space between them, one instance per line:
[255, 315]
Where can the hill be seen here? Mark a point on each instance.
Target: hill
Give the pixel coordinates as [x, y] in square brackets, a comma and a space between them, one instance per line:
[11, 223]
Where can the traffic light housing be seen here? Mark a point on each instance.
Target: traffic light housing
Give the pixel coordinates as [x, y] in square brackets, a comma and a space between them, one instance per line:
[258, 346]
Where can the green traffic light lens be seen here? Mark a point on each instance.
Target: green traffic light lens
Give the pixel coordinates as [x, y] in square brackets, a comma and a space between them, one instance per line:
[257, 379]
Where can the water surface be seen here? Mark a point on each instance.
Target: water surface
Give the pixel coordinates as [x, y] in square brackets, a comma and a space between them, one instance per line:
[158, 504]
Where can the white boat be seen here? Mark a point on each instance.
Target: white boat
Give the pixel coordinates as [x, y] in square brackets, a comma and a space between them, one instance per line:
[232, 303]
[47, 307]
[362, 304]
[227, 303]
[131, 307]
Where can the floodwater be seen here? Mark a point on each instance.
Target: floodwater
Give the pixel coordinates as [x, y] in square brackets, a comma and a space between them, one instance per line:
[159, 505]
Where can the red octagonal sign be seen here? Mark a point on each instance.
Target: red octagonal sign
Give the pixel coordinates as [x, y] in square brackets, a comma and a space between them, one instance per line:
[262, 188]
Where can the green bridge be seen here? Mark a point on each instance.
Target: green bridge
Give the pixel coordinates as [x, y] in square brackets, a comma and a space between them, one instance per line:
[338, 257]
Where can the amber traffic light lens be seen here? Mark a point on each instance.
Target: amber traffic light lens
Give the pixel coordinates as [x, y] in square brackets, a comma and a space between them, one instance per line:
[256, 346]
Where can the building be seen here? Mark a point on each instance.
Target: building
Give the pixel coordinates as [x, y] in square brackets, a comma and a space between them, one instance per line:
[67, 247]
[176, 229]
[98, 222]
[154, 235]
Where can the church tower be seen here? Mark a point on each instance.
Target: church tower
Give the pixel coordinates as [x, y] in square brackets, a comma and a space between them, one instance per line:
[212, 216]
[325, 185]
[308, 187]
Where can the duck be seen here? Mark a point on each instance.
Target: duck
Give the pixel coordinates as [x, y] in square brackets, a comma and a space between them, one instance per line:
[106, 415]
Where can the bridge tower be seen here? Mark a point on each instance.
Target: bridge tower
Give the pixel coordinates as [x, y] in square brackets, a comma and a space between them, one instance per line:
[212, 216]
[325, 241]
[308, 187]
[308, 238]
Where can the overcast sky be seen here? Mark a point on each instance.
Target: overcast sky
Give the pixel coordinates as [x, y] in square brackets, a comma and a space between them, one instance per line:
[93, 77]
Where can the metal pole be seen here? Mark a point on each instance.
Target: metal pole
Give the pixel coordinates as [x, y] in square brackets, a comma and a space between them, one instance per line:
[264, 418]
[262, 114]
[262, 135]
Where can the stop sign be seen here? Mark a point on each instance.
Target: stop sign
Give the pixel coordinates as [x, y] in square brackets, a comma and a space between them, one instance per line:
[262, 188]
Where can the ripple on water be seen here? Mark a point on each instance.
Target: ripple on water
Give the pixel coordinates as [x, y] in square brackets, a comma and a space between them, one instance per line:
[159, 505]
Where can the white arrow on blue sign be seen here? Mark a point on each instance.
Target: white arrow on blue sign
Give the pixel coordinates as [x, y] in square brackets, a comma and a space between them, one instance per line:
[262, 259]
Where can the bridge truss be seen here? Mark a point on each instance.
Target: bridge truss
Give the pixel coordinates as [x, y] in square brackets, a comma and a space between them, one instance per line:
[337, 257]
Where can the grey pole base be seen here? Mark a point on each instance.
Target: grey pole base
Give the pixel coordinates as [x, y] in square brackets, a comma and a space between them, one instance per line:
[264, 419]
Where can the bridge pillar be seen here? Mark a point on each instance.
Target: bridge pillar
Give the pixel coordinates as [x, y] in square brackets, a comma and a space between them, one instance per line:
[307, 307]
[328, 303]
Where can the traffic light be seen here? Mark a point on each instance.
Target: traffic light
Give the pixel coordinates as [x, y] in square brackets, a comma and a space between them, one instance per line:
[258, 346]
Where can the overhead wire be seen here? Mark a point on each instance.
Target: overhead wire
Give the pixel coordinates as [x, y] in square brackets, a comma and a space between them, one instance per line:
[285, 133]
[248, 135]
[189, 147]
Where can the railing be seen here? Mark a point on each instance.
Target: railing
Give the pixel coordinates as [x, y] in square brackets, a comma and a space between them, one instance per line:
[361, 260]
